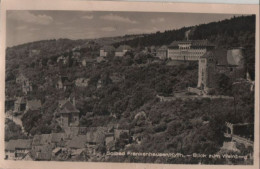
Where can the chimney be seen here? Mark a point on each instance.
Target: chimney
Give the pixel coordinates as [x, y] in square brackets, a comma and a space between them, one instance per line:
[187, 34]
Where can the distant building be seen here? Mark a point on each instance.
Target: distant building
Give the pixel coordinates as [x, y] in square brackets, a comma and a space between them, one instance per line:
[162, 52]
[107, 50]
[190, 50]
[122, 49]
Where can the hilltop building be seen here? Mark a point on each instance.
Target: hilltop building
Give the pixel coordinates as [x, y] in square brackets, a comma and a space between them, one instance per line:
[190, 50]
[122, 49]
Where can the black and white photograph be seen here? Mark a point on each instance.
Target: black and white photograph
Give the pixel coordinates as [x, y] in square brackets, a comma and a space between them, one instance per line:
[130, 87]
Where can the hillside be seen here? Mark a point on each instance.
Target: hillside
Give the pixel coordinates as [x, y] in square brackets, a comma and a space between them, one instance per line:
[234, 32]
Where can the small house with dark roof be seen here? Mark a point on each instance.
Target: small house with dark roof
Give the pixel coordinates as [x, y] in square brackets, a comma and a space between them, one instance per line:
[69, 115]
[107, 50]
[122, 49]
[189, 49]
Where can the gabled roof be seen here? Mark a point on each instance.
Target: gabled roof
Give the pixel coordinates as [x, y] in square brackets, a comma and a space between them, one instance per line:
[11, 145]
[123, 47]
[68, 107]
[57, 137]
[198, 43]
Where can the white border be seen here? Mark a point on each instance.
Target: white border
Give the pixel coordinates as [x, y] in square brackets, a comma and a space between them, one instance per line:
[122, 6]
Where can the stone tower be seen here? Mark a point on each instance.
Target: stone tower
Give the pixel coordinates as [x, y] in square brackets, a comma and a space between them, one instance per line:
[207, 66]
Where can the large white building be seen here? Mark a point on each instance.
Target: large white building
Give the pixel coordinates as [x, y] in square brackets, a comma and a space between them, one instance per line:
[189, 49]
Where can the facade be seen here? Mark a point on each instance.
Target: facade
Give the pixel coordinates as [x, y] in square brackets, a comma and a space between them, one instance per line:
[25, 83]
[107, 50]
[162, 52]
[190, 50]
[122, 49]
[207, 67]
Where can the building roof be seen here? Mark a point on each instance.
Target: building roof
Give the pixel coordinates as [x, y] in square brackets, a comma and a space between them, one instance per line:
[57, 137]
[34, 104]
[197, 43]
[11, 145]
[42, 139]
[108, 48]
[77, 142]
[123, 47]
[68, 107]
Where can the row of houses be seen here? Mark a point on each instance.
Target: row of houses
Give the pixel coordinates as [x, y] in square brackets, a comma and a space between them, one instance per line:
[20, 105]
[110, 50]
[63, 146]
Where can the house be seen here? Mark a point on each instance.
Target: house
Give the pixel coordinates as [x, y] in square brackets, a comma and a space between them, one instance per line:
[25, 83]
[161, 53]
[121, 134]
[33, 105]
[188, 50]
[17, 149]
[42, 147]
[19, 105]
[110, 142]
[107, 50]
[122, 49]
[69, 115]
[82, 82]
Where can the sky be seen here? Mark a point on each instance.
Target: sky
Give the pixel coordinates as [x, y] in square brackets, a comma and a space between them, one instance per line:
[27, 26]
